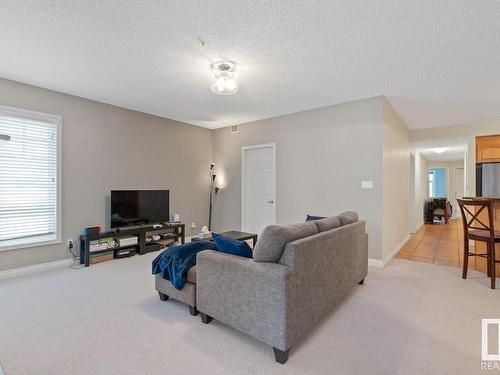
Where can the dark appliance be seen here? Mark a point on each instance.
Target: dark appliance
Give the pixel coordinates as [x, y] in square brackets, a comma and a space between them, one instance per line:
[139, 207]
[488, 180]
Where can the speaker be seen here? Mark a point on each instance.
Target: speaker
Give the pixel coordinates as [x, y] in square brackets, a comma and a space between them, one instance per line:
[92, 232]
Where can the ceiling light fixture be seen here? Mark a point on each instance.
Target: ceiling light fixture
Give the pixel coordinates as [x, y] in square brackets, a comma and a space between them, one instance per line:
[224, 81]
[439, 150]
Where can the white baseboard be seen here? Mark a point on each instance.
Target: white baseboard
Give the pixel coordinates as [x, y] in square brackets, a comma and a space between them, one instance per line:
[382, 263]
[35, 268]
[377, 263]
[418, 227]
[395, 250]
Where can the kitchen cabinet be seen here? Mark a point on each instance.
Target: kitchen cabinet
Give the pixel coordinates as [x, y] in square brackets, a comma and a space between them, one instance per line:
[488, 149]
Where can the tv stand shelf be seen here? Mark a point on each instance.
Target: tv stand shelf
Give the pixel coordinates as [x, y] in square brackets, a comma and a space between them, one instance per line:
[178, 233]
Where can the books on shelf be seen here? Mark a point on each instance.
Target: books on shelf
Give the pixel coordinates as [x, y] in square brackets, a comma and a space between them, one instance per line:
[101, 244]
[127, 241]
[101, 256]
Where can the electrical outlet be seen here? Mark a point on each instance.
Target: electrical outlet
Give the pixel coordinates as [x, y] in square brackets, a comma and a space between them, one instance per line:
[70, 244]
[193, 225]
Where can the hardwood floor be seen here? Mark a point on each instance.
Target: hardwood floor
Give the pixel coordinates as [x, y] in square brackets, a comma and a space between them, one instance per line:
[437, 243]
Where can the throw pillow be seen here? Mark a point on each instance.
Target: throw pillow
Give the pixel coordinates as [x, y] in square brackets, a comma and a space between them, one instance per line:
[313, 218]
[231, 246]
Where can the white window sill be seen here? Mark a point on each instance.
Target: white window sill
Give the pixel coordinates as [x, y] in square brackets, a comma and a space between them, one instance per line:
[23, 243]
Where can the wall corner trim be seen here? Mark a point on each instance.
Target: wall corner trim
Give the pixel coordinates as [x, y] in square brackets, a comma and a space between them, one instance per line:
[382, 263]
[377, 263]
[35, 268]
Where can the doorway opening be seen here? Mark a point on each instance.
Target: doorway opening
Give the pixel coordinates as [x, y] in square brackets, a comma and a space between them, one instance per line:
[438, 175]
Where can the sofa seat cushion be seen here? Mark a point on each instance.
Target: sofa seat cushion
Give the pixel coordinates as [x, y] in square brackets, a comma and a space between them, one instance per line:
[348, 217]
[273, 239]
[328, 223]
[191, 275]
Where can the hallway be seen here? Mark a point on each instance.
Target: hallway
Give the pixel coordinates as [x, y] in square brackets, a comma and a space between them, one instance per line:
[441, 244]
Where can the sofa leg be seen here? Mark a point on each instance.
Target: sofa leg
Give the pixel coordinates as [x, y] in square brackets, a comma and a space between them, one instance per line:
[280, 356]
[362, 282]
[163, 297]
[193, 310]
[205, 318]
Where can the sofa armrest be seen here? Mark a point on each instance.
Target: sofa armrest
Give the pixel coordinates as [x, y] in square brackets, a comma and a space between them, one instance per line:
[327, 266]
[253, 297]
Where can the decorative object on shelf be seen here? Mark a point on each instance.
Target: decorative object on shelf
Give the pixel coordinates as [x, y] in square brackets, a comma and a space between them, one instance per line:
[92, 232]
[213, 190]
[205, 232]
[224, 81]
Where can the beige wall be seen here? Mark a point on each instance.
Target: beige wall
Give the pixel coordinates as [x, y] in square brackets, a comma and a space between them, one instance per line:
[322, 157]
[106, 147]
[421, 189]
[396, 182]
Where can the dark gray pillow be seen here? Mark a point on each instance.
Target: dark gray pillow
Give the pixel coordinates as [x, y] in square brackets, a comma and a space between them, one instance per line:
[327, 223]
[348, 217]
[273, 239]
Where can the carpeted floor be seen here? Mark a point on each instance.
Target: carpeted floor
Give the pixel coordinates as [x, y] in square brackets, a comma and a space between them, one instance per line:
[409, 318]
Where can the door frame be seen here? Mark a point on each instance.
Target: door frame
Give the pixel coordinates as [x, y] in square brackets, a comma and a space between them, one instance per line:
[243, 179]
[412, 194]
[458, 213]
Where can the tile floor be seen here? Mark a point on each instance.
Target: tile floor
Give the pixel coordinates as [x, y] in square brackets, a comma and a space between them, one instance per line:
[437, 243]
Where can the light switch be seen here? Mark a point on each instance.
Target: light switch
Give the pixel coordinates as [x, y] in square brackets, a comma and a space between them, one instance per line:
[366, 184]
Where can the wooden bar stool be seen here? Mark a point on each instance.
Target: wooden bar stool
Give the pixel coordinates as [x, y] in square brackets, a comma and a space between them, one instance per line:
[475, 229]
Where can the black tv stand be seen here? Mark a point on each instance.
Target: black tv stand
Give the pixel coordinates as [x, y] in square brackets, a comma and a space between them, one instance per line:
[178, 233]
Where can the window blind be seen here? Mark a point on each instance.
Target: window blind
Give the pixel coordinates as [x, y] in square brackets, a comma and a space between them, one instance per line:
[28, 180]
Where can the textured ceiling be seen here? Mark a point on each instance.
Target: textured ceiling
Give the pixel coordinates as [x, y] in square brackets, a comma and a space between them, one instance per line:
[437, 61]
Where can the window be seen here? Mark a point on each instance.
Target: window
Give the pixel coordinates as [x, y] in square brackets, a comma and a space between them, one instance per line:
[437, 182]
[29, 178]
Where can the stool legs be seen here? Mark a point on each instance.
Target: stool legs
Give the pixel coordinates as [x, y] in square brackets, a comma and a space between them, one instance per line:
[466, 257]
[488, 258]
[493, 267]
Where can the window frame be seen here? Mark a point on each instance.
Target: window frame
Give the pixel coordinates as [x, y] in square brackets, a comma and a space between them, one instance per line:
[57, 121]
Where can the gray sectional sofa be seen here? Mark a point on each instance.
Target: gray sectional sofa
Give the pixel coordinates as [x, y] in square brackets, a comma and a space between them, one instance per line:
[297, 274]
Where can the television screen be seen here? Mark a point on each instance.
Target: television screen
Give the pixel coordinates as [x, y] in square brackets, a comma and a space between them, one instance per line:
[136, 207]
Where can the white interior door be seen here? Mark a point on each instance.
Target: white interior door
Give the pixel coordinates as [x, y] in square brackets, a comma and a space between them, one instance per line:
[258, 187]
[459, 189]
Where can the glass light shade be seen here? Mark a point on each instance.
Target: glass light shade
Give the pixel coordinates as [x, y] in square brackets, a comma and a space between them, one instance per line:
[224, 83]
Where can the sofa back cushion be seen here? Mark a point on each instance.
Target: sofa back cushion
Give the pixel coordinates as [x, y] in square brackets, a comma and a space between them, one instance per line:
[327, 223]
[348, 217]
[273, 239]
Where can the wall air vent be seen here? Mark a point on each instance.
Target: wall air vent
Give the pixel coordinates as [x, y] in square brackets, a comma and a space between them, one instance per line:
[235, 129]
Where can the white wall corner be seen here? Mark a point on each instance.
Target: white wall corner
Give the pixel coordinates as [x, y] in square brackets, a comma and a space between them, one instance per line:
[382, 263]
[377, 263]
[35, 268]
[394, 251]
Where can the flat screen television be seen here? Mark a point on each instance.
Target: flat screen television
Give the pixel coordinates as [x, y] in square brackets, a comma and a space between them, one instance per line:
[138, 207]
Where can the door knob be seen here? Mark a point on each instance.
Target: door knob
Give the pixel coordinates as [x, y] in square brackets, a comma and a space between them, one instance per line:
[270, 201]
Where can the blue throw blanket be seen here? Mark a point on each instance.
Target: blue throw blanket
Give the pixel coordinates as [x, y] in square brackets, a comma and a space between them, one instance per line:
[174, 263]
